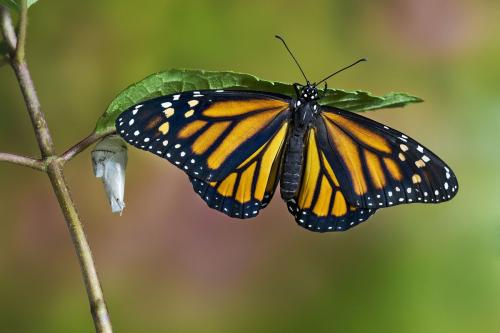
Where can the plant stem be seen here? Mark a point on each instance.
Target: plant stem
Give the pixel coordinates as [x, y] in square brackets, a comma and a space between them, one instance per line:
[22, 31]
[23, 160]
[33, 104]
[54, 167]
[98, 308]
[84, 144]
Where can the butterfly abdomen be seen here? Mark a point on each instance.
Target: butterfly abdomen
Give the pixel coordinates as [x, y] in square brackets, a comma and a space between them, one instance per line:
[292, 166]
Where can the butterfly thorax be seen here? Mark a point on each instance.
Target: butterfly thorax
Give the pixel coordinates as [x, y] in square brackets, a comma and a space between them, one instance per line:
[305, 110]
[305, 107]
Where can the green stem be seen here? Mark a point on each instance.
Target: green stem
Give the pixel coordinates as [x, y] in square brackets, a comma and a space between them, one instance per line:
[54, 168]
[21, 37]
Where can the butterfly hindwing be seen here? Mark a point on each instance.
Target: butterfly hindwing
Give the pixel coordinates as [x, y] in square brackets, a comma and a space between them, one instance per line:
[251, 185]
[320, 204]
[378, 166]
[206, 133]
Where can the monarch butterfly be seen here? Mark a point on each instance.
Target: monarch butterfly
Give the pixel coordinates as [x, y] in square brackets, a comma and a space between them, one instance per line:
[335, 168]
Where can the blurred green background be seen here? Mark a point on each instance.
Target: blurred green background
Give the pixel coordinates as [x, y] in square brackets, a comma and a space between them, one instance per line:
[172, 264]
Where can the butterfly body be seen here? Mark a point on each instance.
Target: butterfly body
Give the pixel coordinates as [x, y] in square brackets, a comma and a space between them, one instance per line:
[335, 168]
[304, 110]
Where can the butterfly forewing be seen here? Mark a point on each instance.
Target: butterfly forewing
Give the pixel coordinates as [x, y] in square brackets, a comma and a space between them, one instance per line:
[207, 133]
[378, 166]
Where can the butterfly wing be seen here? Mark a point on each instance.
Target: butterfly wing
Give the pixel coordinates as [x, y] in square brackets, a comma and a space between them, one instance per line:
[321, 204]
[251, 185]
[378, 166]
[208, 134]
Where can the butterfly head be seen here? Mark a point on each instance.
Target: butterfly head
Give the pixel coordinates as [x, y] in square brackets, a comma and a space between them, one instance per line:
[308, 93]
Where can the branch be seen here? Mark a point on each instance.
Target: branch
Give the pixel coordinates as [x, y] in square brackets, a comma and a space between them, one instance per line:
[54, 168]
[84, 144]
[23, 160]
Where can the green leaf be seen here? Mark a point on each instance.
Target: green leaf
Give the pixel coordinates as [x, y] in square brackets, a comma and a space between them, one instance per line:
[16, 4]
[178, 80]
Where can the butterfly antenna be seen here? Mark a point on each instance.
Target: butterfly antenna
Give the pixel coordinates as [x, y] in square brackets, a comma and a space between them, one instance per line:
[340, 70]
[284, 43]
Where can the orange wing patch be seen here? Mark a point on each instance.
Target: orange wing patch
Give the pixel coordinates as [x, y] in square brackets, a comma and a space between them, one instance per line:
[339, 205]
[226, 187]
[208, 138]
[361, 133]
[375, 169]
[393, 168]
[321, 208]
[237, 108]
[244, 191]
[191, 128]
[310, 173]
[349, 153]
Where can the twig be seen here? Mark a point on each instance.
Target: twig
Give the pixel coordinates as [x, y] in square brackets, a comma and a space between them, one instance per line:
[23, 160]
[22, 31]
[84, 144]
[54, 168]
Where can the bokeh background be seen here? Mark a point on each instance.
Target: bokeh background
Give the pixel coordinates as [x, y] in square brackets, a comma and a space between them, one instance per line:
[170, 264]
